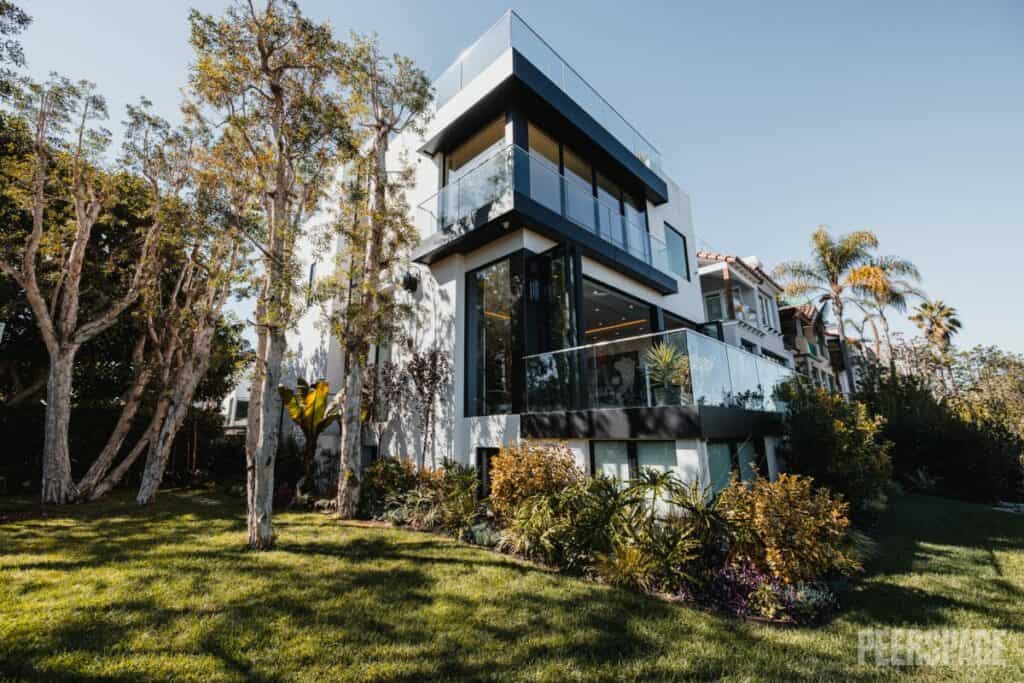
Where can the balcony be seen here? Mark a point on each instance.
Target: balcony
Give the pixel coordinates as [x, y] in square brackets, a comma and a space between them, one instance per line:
[489, 191]
[681, 368]
[511, 32]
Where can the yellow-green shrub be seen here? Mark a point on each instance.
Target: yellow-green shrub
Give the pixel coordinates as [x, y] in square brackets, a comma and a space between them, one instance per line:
[529, 468]
[788, 528]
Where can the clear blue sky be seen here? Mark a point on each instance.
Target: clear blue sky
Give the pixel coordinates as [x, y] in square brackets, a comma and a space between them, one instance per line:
[906, 118]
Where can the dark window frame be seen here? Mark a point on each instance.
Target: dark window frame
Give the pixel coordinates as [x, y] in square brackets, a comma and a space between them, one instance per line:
[686, 251]
[632, 457]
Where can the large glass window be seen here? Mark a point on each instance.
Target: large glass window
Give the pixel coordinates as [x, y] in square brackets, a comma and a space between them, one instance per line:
[545, 183]
[490, 339]
[609, 197]
[579, 189]
[609, 315]
[474, 151]
[550, 293]
[678, 256]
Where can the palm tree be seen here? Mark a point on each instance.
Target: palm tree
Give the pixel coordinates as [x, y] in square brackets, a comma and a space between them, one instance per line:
[894, 289]
[837, 270]
[938, 321]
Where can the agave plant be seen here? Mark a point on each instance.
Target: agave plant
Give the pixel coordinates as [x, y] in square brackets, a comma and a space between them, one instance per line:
[669, 370]
[310, 409]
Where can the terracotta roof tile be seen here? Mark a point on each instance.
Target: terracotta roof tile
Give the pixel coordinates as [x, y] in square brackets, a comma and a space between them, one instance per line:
[757, 272]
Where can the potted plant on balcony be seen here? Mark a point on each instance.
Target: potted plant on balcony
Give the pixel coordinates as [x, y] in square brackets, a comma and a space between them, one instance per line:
[669, 371]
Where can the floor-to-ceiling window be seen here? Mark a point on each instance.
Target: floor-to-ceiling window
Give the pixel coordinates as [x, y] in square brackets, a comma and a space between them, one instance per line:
[545, 181]
[609, 314]
[474, 150]
[615, 370]
[490, 338]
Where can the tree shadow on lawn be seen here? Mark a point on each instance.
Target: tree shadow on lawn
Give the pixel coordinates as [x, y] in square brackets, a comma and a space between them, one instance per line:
[339, 601]
[940, 557]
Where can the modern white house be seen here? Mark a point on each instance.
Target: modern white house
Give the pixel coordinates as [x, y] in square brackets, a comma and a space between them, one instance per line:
[557, 268]
[744, 300]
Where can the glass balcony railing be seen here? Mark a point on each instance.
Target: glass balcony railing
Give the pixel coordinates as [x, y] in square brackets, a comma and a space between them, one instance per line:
[512, 32]
[485, 193]
[677, 368]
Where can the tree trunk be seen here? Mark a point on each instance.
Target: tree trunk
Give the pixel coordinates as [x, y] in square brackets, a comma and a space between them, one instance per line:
[115, 477]
[261, 463]
[348, 466]
[183, 391]
[58, 487]
[133, 399]
[888, 344]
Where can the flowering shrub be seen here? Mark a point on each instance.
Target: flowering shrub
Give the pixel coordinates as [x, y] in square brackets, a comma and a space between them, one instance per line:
[527, 469]
[788, 528]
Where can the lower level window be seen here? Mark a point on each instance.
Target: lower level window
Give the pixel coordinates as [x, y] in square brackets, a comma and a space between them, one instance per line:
[724, 458]
[623, 460]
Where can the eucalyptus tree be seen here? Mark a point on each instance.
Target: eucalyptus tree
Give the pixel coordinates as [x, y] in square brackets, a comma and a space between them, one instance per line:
[13, 20]
[389, 95]
[838, 269]
[63, 167]
[266, 78]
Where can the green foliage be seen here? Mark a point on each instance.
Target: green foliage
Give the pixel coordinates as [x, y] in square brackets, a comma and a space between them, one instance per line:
[788, 528]
[442, 500]
[840, 444]
[310, 408]
[948, 445]
[568, 527]
[172, 573]
[526, 469]
[386, 478]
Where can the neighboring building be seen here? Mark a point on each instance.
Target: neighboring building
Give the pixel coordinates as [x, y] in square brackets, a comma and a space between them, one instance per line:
[235, 407]
[744, 299]
[859, 354]
[554, 256]
[803, 331]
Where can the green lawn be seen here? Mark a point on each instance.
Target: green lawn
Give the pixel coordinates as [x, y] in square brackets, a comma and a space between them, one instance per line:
[112, 592]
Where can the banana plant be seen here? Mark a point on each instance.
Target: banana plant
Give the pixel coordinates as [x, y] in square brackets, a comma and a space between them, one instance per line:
[310, 409]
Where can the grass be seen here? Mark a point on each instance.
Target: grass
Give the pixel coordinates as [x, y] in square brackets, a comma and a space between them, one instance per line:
[108, 591]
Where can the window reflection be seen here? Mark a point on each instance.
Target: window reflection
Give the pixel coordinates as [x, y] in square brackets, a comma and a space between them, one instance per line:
[490, 339]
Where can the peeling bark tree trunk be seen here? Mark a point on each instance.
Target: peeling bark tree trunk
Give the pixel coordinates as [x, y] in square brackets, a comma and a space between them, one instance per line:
[58, 486]
[115, 477]
[261, 464]
[348, 472]
[184, 389]
[132, 399]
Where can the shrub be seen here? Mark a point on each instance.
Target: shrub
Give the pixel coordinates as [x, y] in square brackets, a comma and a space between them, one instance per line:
[626, 566]
[385, 478]
[952, 449]
[528, 469]
[701, 514]
[567, 528]
[442, 500]
[838, 443]
[788, 528]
